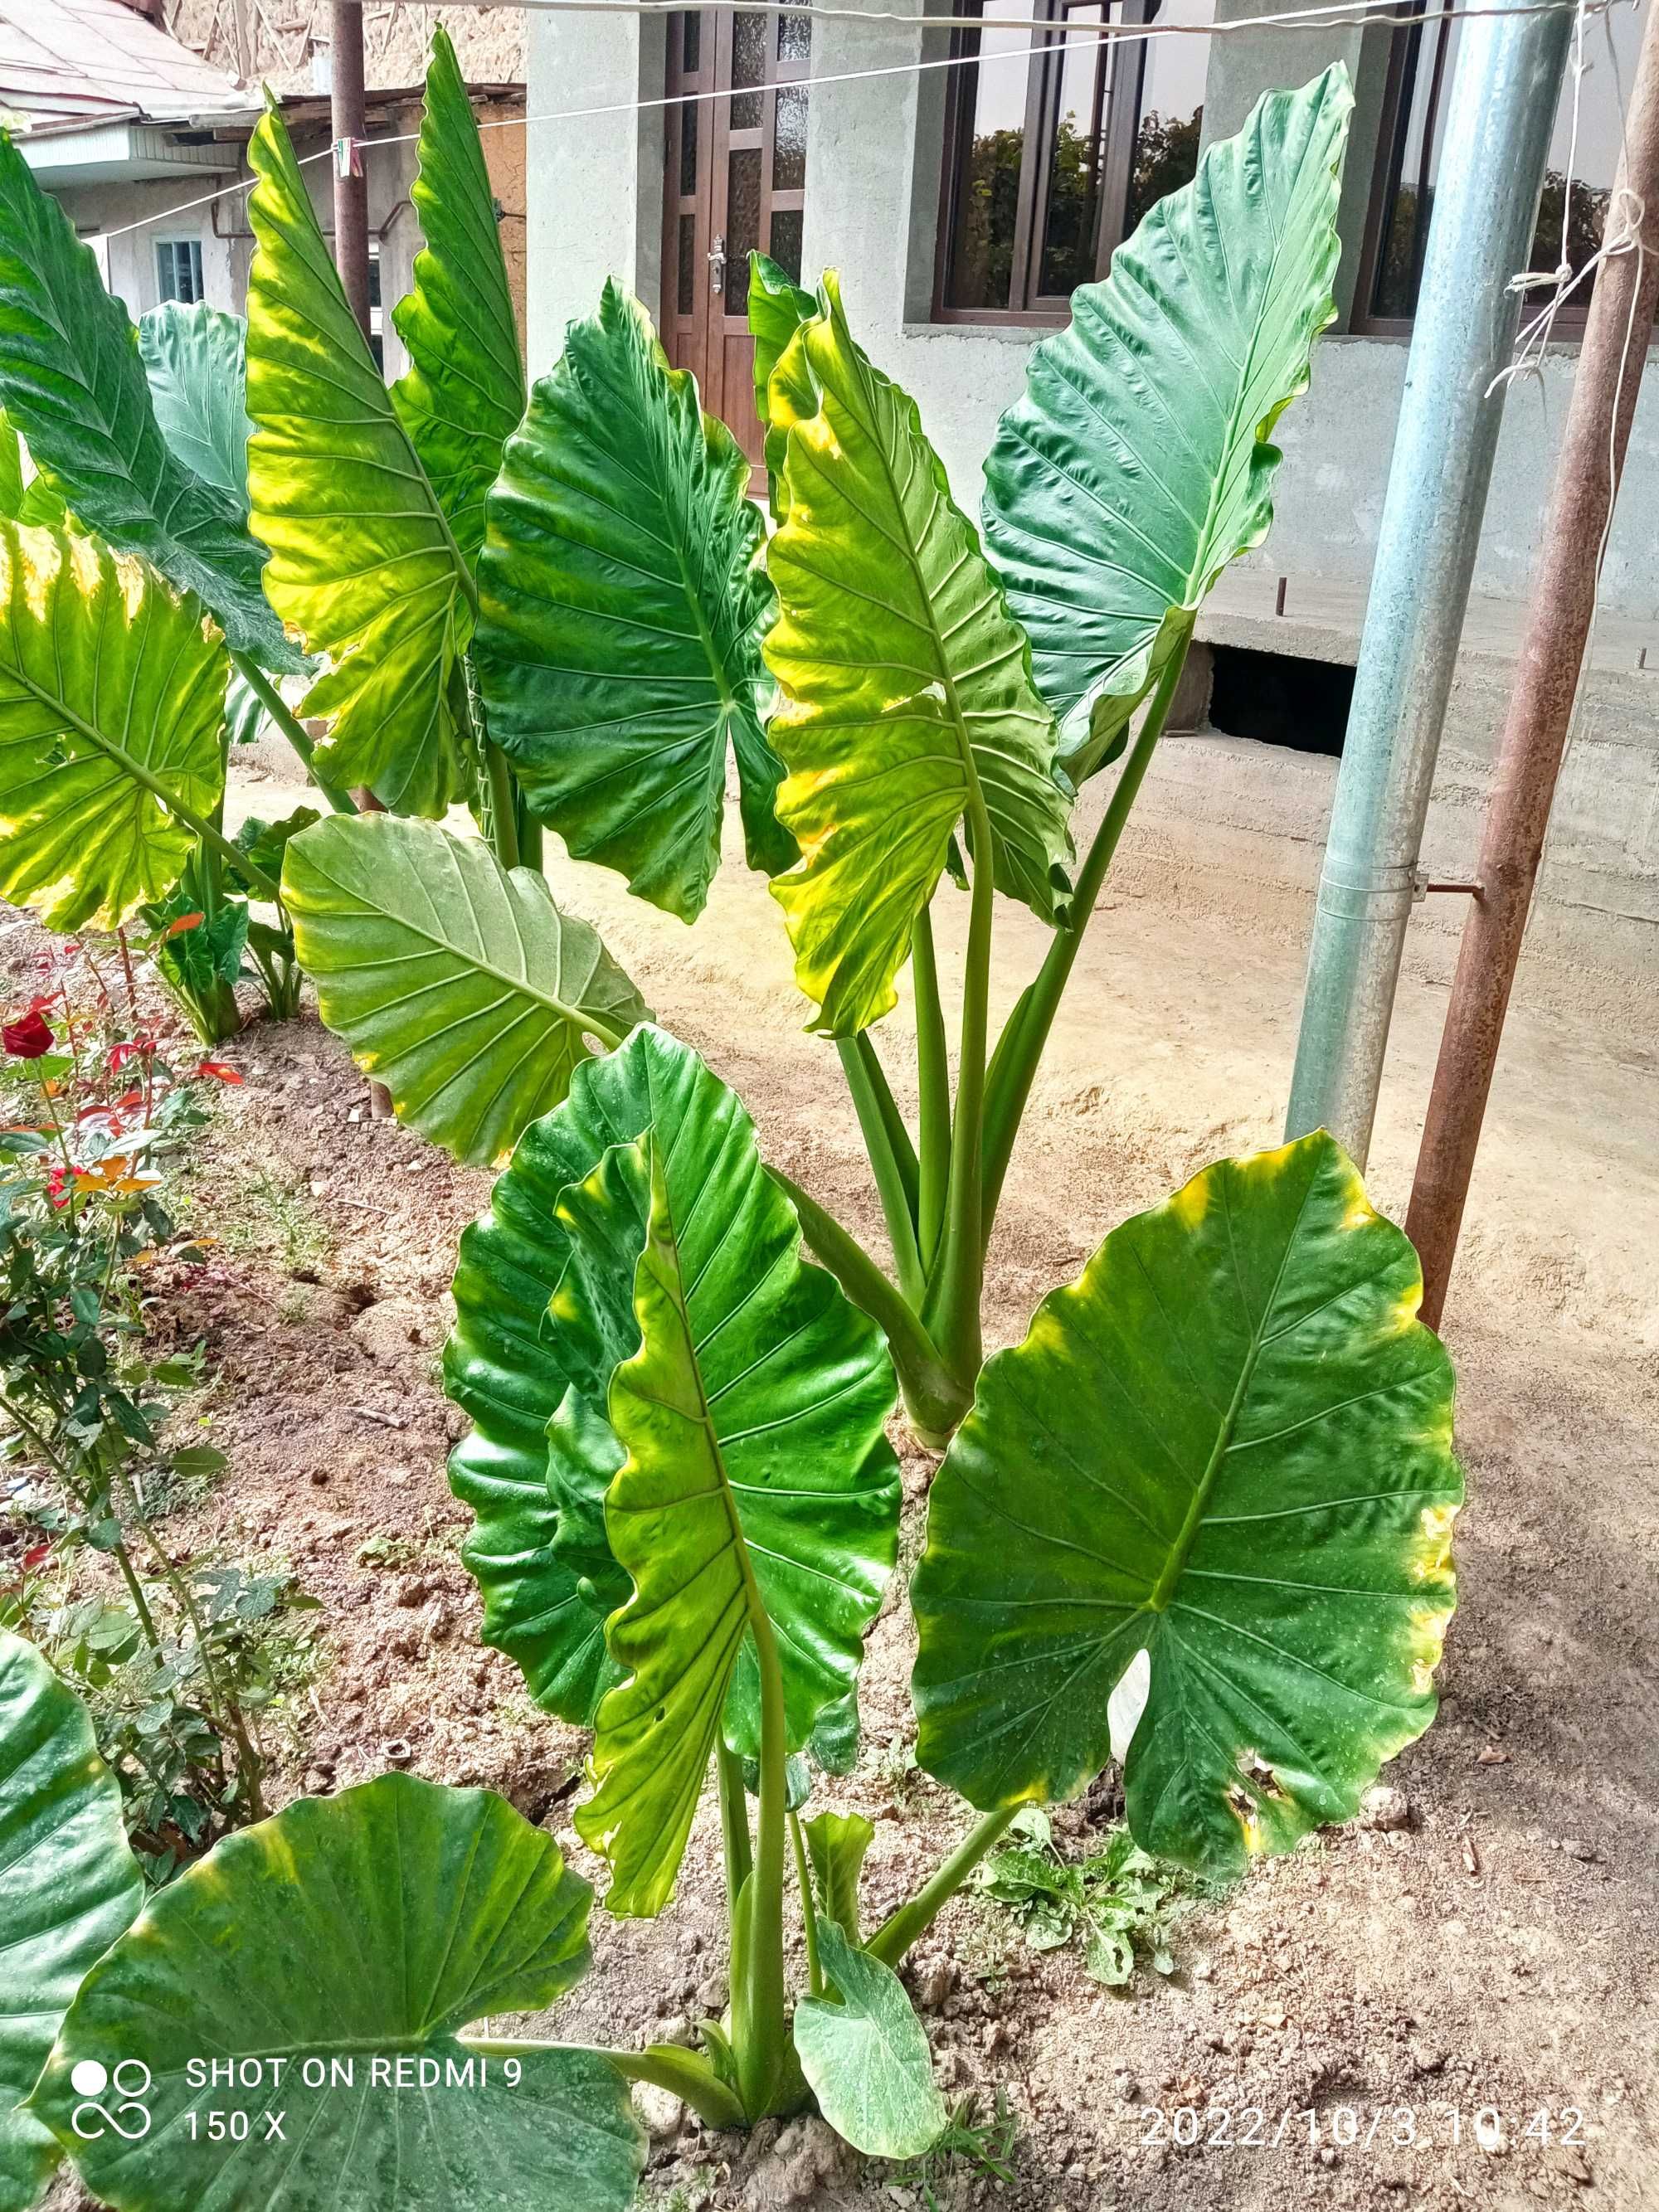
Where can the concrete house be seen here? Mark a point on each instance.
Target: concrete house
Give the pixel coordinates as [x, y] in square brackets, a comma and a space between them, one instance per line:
[132, 131]
[963, 185]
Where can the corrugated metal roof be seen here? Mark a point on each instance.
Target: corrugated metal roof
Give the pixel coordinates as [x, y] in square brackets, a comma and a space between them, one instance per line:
[67, 63]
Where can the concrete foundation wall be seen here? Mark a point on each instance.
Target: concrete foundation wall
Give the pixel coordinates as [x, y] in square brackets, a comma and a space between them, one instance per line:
[1337, 441]
[1248, 821]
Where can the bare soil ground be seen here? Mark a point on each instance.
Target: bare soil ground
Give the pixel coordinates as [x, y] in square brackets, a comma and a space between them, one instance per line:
[1495, 1956]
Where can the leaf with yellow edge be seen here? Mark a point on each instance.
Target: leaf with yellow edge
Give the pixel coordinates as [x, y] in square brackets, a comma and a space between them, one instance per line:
[362, 562]
[907, 693]
[462, 396]
[759, 1497]
[1227, 1446]
[1137, 462]
[112, 701]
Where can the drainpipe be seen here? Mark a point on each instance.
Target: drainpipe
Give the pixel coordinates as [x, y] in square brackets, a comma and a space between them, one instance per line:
[1498, 129]
[1604, 391]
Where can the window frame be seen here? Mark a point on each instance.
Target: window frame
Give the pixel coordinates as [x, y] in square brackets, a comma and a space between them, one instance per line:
[1043, 80]
[1405, 53]
[192, 241]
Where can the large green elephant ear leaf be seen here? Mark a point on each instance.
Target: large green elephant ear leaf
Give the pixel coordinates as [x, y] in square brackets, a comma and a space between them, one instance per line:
[111, 701]
[72, 382]
[757, 1506]
[72, 1887]
[908, 699]
[510, 1369]
[623, 604]
[546, 1311]
[364, 565]
[456, 982]
[196, 361]
[777, 308]
[1137, 464]
[1228, 1445]
[352, 1938]
[462, 396]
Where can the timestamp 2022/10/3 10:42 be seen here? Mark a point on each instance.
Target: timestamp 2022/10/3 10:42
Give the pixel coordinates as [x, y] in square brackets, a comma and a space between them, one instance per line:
[1360, 2127]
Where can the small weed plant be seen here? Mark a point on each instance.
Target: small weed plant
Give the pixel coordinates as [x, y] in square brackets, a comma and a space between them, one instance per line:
[1118, 1902]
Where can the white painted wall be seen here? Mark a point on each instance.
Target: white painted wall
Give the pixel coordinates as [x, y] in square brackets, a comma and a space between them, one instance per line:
[223, 229]
[594, 187]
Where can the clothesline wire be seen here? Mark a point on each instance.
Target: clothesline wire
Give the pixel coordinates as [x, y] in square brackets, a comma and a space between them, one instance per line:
[1333, 15]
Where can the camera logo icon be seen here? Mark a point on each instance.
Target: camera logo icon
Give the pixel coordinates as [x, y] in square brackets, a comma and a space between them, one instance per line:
[131, 2081]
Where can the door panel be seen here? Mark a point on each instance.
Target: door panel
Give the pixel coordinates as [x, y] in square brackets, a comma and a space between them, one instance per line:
[736, 180]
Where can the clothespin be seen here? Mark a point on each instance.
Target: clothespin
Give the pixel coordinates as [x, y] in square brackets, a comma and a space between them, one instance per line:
[348, 157]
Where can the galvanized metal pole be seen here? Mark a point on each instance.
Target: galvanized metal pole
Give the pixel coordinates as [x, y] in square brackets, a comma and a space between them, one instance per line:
[1592, 446]
[1498, 129]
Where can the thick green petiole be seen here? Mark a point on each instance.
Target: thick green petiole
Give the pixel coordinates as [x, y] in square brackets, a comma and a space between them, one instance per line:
[684, 2074]
[911, 1922]
[933, 1397]
[952, 1306]
[933, 1087]
[887, 1142]
[759, 2004]
[808, 1912]
[503, 805]
[1020, 1049]
[291, 727]
[735, 1843]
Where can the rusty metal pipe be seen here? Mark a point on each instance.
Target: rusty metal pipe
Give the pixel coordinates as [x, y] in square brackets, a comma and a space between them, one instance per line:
[1504, 94]
[348, 124]
[1616, 337]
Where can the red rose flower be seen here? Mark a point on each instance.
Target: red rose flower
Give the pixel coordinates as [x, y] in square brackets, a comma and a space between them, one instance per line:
[28, 1036]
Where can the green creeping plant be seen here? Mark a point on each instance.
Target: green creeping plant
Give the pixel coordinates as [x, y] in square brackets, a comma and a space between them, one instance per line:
[1220, 1461]
[1225, 1447]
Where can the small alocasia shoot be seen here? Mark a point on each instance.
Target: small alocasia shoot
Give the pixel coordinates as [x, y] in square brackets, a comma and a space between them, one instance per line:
[865, 2053]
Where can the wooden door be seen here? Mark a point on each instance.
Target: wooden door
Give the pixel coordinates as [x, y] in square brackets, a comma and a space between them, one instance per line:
[735, 181]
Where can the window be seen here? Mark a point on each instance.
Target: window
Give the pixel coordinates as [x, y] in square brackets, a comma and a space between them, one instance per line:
[1052, 157]
[179, 269]
[376, 313]
[1420, 73]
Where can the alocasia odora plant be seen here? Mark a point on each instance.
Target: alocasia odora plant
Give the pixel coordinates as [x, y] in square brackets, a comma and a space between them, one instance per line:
[571, 615]
[1224, 1451]
[1226, 1447]
[901, 701]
